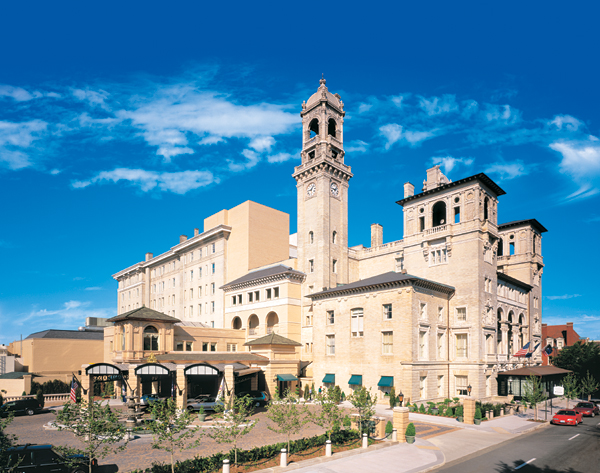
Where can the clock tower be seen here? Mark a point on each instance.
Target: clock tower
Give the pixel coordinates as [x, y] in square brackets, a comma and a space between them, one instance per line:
[322, 185]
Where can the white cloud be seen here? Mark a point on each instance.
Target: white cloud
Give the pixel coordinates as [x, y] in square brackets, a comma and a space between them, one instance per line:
[439, 105]
[415, 137]
[73, 312]
[563, 297]
[449, 163]
[16, 139]
[262, 143]
[17, 93]
[281, 157]
[507, 171]
[252, 159]
[398, 99]
[93, 288]
[393, 133]
[570, 123]
[96, 98]
[176, 182]
[580, 161]
[72, 304]
[356, 146]
[54, 172]
[211, 140]
[364, 107]
[501, 114]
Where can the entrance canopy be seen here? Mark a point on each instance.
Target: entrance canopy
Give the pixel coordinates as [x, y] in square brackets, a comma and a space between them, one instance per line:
[355, 379]
[386, 381]
[329, 378]
[102, 369]
[286, 377]
[152, 369]
[201, 369]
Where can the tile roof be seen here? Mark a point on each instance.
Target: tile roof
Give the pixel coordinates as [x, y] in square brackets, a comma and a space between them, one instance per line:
[556, 331]
[516, 223]
[271, 271]
[210, 357]
[386, 279]
[535, 370]
[69, 334]
[16, 375]
[144, 313]
[272, 339]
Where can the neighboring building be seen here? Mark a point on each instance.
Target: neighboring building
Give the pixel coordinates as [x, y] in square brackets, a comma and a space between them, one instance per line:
[440, 310]
[558, 337]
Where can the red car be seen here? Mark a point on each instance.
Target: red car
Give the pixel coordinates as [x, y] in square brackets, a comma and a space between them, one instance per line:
[567, 417]
[587, 409]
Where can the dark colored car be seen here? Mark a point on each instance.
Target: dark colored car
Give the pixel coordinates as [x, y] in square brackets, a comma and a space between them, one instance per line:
[20, 407]
[259, 398]
[587, 409]
[43, 459]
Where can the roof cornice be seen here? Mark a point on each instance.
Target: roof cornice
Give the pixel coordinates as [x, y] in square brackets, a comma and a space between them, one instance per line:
[292, 275]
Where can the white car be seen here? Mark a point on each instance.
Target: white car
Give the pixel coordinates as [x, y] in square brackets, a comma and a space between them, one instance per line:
[208, 403]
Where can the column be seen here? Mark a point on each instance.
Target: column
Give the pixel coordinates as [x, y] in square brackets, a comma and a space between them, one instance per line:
[229, 381]
[469, 410]
[87, 384]
[401, 422]
[182, 387]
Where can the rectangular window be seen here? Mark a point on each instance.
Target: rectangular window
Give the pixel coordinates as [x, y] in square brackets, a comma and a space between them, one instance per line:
[422, 345]
[191, 293]
[423, 310]
[422, 387]
[461, 345]
[456, 214]
[334, 265]
[331, 344]
[387, 339]
[461, 314]
[239, 299]
[437, 255]
[191, 311]
[311, 265]
[199, 272]
[257, 296]
[212, 288]
[330, 317]
[212, 307]
[250, 297]
[214, 248]
[233, 300]
[192, 275]
[461, 385]
[440, 346]
[421, 224]
[213, 268]
[275, 292]
[440, 385]
[268, 294]
[179, 346]
[512, 248]
[188, 346]
[231, 347]
[387, 311]
[440, 314]
[204, 346]
[357, 323]
[199, 309]
[213, 346]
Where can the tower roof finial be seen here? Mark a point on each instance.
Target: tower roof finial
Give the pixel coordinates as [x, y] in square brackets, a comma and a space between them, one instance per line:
[322, 81]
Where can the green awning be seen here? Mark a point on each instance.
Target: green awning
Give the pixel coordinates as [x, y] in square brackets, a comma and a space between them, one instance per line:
[356, 379]
[329, 378]
[386, 381]
[286, 377]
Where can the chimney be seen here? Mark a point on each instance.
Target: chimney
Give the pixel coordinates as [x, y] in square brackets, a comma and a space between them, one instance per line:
[403, 271]
[409, 190]
[149, 256]
[196, 231]
[569, 324]
[182, 238]
[376, 235]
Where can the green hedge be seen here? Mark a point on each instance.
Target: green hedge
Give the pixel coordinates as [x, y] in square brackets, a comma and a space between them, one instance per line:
[215, 462]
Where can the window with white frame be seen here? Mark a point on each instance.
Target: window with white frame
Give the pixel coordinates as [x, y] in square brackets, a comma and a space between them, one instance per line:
[250, 297]
[437, 255]
[212, 307]
[191, 293]
[213, 268]
[422, 310]
[387, 311]
[192, 275]
[191, 311]
[212, 288]
[275, 292]
[214, 248]
[330, 344]
[461, 383]
[461, 314]
[231, 347]
[422, 344]
[357, 322]
[256, 296]
[268, 293]
[387, 343]
[233, 300]
[422, 387]
[330, 317]
[462, 348]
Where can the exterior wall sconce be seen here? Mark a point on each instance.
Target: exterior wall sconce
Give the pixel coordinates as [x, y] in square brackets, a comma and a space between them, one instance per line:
[469, 388]
[400, 398]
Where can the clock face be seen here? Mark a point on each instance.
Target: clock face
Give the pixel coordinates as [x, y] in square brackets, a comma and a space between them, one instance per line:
[334, 189]
[311, 190]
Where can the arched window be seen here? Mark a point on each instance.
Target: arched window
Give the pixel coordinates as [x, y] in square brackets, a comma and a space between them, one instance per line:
[510, 317]
[331, 126]
[334, 237]
[236, 323]
[439, 214]
[521, 319]
[313, 128]
[311, 237]
[253, 325]
[150, 338]
[486, 212]
[272, 322]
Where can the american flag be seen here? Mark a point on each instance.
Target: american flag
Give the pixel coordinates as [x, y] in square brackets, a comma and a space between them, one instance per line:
[530, 354]
[523, 351]
[74, 387]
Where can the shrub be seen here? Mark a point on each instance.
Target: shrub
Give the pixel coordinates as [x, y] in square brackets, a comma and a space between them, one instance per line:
[392, 397]
[449, 412]
[422, 409]
[389, 427]
[478, 413]
[39, 396]
[347, 422]
[459, 411]
[497, 408]
[410, 430]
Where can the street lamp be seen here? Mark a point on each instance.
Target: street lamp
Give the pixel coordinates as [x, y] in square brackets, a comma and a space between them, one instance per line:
[510, 380]
[400, 398]
[469, 389]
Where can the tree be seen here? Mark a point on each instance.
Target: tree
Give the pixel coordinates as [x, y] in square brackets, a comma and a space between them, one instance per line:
[589, 385]
[170, 428]
[288, 417]
[579, 358]
[328, 415]
[7, 441]
[571, 387]
[392, 398]
[39, 396]
[533, 392]
[235, 423]
[364, 403]
[96, 426]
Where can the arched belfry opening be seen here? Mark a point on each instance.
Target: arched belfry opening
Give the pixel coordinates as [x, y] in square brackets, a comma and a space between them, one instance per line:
[313, 128]
[331, 127]
[439, 214]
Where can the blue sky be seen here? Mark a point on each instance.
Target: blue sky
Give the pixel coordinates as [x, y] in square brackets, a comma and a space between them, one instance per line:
[123, 126]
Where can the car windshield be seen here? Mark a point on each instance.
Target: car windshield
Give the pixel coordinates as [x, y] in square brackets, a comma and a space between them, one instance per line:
[566, 413]
[584, 404]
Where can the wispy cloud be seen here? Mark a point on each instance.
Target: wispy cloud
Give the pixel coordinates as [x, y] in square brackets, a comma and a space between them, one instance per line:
[356, 146]
[394, 133]
[449, 163]
[438, 105]
[93, 288]
[581, 162]
[507, 171]
[563, 297]
[16, 140]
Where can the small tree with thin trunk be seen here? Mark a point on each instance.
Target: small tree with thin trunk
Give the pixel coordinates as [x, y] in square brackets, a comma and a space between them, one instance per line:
[364, 403]
[287, 416]
[7, 441]
[96, 426]
[534, 392]
[328, 415]
[589, 385]
[234, 423]
[571, 387]
[170, 429]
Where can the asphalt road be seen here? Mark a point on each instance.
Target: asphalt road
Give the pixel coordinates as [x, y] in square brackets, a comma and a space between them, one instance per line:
[552, 449]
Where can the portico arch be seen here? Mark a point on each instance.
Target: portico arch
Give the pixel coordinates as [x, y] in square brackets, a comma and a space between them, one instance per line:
[272, 322]
[236, 323]
[253, 324]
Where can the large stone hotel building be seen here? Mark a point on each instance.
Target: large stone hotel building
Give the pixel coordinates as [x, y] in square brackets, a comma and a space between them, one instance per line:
[443, 308]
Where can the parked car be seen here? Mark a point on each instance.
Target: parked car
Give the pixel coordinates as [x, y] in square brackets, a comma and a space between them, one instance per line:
[567, 417]
[44, 459]
[20, 407]
[259, 398]
[208, 403]
[587, 409]
[148, 399]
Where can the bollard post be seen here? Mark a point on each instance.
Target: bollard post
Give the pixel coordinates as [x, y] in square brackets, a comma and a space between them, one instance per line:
[394, 435]
[226, 466]
[328, 448]
[491, 414]
[283, 462]
[502, 412]
[365, 441]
